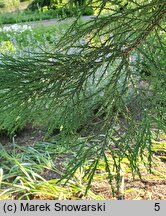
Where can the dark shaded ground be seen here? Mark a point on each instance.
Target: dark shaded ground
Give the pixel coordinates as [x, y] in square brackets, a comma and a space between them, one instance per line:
[27, 136]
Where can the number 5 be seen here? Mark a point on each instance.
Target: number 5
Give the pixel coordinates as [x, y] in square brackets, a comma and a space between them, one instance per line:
[157, 207]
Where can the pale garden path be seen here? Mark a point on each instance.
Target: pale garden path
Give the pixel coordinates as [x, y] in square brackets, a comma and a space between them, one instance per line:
[51, 22]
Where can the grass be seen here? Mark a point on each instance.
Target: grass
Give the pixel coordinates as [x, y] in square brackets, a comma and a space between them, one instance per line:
[33, 172]
[24, 174]
[27, 16]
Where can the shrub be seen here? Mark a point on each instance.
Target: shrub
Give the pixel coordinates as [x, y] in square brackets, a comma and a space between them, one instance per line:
[36, 4]
[87, 11]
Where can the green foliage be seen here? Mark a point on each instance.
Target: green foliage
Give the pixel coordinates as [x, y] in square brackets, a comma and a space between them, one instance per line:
[24, 36]
[93, 79]
[63, 6]
[77, 3]
[87, 11]
[36, 4]
[6, 46]
[43, 11]
[2, 4]
[51, 4]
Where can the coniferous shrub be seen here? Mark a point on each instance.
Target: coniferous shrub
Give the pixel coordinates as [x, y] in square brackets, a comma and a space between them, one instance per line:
[106, 76]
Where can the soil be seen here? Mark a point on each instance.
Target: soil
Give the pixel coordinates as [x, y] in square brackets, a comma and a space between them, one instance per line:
[28, 136]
